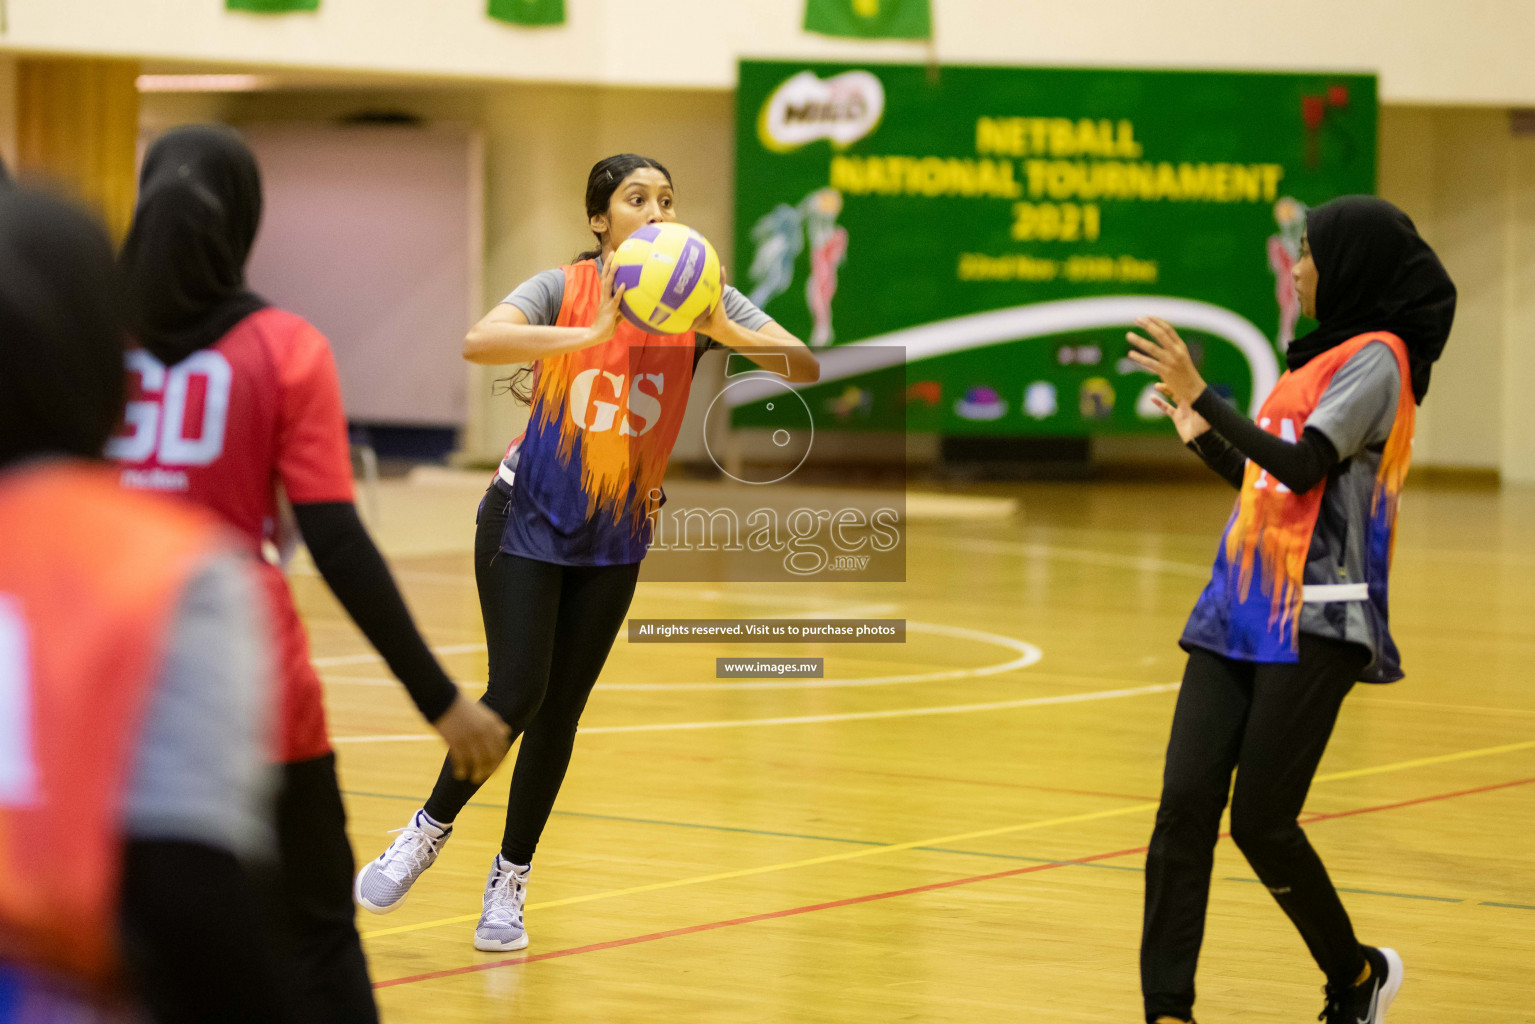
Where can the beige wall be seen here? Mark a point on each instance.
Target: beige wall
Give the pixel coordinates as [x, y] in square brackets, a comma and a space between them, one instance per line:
[8, 110]
[1427, 51]
[1518, 370]
[1469, 183]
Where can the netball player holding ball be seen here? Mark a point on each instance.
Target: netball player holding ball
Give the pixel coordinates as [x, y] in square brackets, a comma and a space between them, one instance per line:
[562, 530]
[1295, 611]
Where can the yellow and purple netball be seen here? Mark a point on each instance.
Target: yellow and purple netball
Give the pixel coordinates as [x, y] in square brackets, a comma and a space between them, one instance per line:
[670, 275]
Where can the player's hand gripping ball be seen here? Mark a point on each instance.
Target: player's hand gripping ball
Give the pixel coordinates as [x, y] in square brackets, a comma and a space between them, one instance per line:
[670, 275]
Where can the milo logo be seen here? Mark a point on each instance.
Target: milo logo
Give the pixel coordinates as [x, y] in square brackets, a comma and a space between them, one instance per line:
[842, 109]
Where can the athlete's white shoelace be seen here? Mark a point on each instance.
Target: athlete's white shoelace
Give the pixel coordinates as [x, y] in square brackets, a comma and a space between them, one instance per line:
[503, 904]
[410, 854]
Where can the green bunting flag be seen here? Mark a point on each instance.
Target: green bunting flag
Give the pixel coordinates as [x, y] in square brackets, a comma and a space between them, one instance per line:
[870, 19]
[272, 6]
[529, 12]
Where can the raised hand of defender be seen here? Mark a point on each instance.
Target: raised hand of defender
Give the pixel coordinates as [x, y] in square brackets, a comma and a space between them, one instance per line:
[1165, 355]
[1189, 423]
[477, 739]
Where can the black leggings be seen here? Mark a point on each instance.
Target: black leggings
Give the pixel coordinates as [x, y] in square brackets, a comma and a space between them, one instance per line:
[1270, 723]
[317, 920]
[181, 954]
[548, 631]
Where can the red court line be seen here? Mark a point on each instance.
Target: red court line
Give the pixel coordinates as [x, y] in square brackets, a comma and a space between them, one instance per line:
[1421, 800]
[872, 897]
[771, 916]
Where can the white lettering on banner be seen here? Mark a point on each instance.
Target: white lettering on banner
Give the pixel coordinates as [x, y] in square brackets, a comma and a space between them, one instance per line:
[18, 773]
[596, 414]
[157, 421]
[1286, 433]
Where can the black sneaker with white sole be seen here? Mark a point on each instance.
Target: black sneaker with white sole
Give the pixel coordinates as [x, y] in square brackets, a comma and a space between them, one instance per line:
[1366, 1002]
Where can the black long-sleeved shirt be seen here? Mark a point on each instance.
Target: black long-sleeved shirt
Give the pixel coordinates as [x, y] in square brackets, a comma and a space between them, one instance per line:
[1233, 439]
[357, 574]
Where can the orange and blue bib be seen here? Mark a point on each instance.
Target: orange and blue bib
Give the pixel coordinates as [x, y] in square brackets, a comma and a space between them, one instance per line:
[602, 427]
[1251, 608]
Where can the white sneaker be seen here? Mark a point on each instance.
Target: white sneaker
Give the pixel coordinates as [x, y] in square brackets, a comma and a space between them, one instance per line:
[383, 884]
[500, 929]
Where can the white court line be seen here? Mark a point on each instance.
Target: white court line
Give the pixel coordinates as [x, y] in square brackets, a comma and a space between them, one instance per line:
[819, 608]
[371, 657]
[852, 716]
[810, 601]
[645, 589]
[1144, 563]
[408, 575]
[330, 680]
[1028, 655]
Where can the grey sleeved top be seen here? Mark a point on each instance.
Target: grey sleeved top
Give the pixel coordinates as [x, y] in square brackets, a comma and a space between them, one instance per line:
[539, 299]
[201, 772]
[1356, 413]
[1359, 406]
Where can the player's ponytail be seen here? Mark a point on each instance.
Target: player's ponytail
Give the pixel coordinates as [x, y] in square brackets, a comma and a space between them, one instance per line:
[519, 385]
[606, 176]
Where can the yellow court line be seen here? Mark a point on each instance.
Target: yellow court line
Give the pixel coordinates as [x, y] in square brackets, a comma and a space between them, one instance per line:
[1463, 755]
[871, 851]
[867, 851]
[1480, 708]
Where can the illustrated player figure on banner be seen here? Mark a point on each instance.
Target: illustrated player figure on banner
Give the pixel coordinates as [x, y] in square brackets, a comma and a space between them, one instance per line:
[780, 238]
[828, 249]
[1284, 251]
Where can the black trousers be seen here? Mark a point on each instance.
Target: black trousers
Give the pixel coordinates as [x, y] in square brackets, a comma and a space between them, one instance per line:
[194, 934]
[321, 952]
[548, 631]
[1269, 723]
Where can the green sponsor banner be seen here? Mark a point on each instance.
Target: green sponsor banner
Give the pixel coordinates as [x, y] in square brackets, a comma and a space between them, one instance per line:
[272, 6]
[1005, 227]
[870, 19]
[529, 12]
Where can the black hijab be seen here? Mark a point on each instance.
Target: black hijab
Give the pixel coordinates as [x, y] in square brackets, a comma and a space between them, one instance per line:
[184, 260]
[61, 337]
[1374, 273]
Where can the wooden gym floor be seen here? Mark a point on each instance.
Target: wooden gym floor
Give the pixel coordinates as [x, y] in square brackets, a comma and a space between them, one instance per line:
[964, 842]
